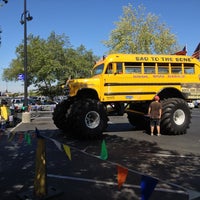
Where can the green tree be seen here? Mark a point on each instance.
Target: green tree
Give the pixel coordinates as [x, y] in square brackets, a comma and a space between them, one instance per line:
[138, 32]
[80, 62]
[50, 63]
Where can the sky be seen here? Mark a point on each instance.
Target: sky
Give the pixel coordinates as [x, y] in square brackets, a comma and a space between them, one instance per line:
[88, 22]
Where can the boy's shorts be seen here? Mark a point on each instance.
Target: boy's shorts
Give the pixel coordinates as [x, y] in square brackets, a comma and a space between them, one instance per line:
[154, 122]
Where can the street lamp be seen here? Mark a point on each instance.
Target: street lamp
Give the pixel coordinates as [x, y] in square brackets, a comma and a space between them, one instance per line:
[24, 18]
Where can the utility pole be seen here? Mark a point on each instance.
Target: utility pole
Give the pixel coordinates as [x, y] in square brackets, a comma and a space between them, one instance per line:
[24, 18]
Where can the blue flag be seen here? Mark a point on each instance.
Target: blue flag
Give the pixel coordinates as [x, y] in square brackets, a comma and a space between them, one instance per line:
[37, 132]
[147, 186]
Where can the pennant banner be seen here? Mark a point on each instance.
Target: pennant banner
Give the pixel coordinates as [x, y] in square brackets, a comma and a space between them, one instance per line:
[67, 151]
[147, 183]
[147, 186]
[104, 152]
[28, 139]
[21, 137]
[10, 136]
[37, 133]
[121, 175]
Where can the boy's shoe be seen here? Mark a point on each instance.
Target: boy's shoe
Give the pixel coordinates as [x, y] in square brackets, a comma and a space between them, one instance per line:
[158, 134]
[151, 134]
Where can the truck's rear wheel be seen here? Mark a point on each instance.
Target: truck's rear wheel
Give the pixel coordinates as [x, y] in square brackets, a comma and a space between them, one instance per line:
[136, 116]
[176, 116]
[137, 120]
[89, 118]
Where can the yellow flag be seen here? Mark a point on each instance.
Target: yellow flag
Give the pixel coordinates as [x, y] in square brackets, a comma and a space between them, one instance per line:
[67, 151]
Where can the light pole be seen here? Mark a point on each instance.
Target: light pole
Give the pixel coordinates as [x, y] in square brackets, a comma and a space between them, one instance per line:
[24, 18]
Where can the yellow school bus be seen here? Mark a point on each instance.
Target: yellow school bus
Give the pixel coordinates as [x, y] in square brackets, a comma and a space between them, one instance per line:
[127, 83]
[127, 77]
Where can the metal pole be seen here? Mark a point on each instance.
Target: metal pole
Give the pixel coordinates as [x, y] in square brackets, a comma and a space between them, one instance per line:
[25, 60]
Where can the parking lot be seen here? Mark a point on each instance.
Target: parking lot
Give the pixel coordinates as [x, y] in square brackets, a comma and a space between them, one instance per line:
[86, 176]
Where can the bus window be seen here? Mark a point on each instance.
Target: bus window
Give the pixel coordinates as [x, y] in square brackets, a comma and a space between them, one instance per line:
[149, 68]
[133, 68]
[109, 69]
[163, 68]
[98, 70]
[119, 68]
[176, 68]
[189, 68]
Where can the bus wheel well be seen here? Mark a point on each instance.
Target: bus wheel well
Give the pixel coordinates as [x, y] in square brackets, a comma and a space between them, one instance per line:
[87, 93]
[170, 93]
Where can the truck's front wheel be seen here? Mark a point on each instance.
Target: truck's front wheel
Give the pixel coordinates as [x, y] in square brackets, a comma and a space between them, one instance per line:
[89, 118]
[176, 116]
[61, 115]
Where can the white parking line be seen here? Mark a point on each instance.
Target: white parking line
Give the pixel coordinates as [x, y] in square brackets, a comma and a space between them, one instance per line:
[15, 127]
[111, 183]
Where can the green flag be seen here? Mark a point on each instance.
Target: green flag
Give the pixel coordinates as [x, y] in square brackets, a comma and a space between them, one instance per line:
[104, 153]
[28, 139]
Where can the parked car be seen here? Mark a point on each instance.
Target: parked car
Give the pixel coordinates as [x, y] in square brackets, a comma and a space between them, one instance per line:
[49, 105]
[196, 103]
[17, 104]
[191, 105]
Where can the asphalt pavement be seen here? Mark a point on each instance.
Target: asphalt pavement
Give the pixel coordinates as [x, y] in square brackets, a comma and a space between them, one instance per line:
[84, 176]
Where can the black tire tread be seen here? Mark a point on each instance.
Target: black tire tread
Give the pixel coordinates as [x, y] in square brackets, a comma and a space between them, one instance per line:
[168, 108]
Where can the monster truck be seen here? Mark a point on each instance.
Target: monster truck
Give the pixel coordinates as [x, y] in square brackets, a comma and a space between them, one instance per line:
[127, 83]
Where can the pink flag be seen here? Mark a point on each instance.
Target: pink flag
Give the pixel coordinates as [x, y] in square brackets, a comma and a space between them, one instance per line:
[21, 136]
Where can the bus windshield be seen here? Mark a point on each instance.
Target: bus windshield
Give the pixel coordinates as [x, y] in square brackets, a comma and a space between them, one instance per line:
[98, 70]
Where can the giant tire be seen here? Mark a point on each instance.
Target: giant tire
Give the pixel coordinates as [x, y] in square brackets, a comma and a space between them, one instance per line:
[176, 116]
[138, 121]
[137, 118]
[61, 115]
[89, 118]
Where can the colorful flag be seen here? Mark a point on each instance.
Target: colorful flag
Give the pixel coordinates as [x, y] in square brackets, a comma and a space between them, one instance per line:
[10, 136]
[182, 52]
[28, 139]
[67, 151]
[196, 53]
[121, 175]
[147, 186]
[21, 137]
[104, 152]
[37, 132]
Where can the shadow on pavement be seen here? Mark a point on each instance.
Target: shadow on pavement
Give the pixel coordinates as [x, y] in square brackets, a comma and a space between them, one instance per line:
[87, 176]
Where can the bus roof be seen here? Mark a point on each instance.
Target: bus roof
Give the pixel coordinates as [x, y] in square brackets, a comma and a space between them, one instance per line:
[148, 58]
